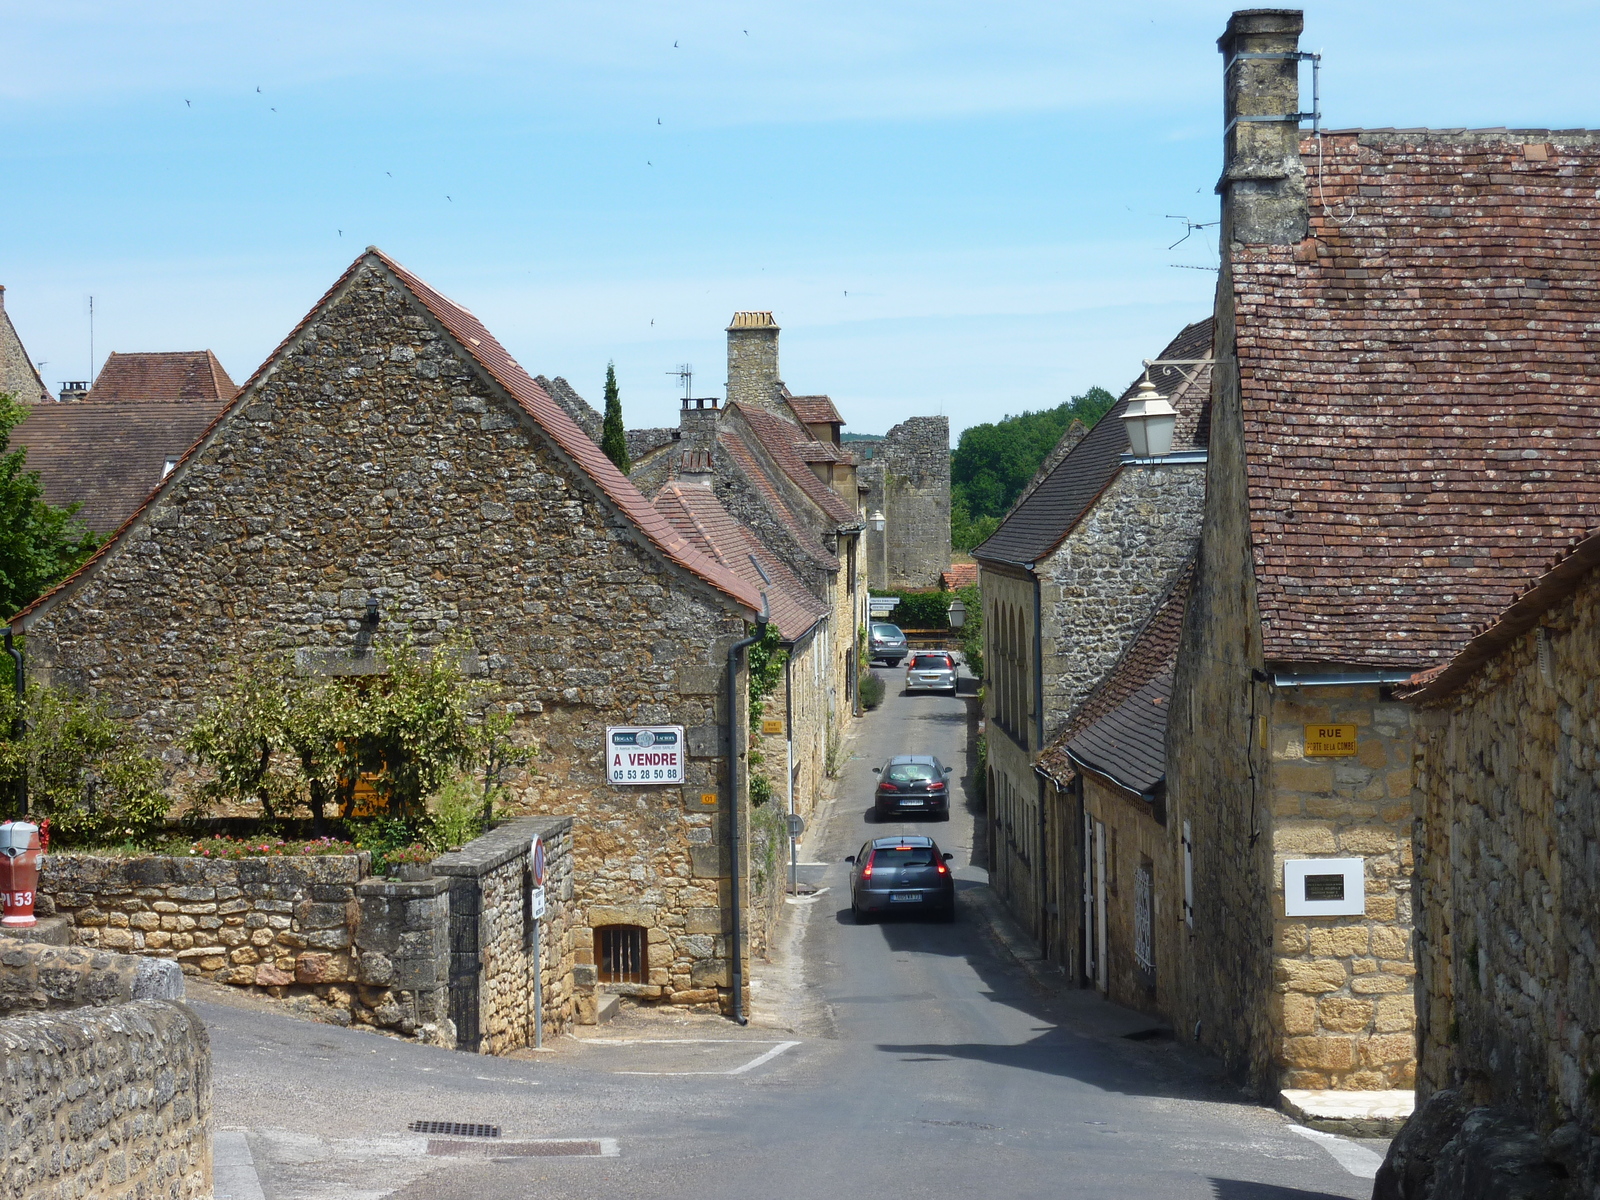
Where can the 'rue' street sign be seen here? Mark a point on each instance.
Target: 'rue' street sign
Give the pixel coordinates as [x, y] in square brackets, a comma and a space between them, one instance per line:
[645, 754]
[1330, 741]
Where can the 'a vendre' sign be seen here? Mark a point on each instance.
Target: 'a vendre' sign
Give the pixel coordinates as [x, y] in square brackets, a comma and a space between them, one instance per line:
[644, 753]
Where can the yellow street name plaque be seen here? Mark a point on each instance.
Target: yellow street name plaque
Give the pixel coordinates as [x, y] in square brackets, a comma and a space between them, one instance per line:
[771, 724]
[1330, 741]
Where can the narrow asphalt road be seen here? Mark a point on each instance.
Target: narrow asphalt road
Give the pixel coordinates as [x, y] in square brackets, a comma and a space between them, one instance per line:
[896, 1059]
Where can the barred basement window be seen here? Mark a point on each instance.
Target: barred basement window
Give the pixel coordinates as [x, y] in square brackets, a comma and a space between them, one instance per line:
[619, 953]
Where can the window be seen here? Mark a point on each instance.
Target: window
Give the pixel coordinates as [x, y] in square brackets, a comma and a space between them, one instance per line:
[932, 662]
[1144, 954]
[619, 953]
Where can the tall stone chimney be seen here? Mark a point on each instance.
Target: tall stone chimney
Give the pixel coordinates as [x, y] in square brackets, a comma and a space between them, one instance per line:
[753, 359]
[697, 423]
[1263, 184]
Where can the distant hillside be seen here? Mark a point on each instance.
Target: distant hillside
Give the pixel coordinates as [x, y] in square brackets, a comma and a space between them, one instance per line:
[992, 463]
[861, 437]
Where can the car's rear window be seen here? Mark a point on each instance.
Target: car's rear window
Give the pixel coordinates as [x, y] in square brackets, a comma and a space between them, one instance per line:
[911, 772]
[931, 662]
[903, 856]
[887, 631]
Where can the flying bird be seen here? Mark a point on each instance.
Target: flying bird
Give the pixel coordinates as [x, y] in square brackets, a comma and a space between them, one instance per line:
[390, 174]
[448, 198]
[658, 120]
[258, 91]
[274, 110]
[674, 45]
[648, 163]
[187, 104]
[341, 232]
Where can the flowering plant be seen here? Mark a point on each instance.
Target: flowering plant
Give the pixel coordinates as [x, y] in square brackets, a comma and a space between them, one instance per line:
[416, 852]
[234, 848]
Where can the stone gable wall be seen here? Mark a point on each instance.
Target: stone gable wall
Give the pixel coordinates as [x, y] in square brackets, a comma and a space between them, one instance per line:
[107, 1102]
[1509, 770]
[1216, 761]
[1103, 582]
[1342, 1006]
[374, 460]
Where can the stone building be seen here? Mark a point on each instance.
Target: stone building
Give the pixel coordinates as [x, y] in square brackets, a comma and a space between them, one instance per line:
[1069, 577]
[109, 450]
[790, 735]
[1508, 999]
[777, 468]
[1109, 763]
[906, 476]
[1402, 426]
[391, 463]
[18, 376]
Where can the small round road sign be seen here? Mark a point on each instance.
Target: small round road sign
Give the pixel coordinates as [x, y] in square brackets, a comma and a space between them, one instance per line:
[536, 852]
[797, 825]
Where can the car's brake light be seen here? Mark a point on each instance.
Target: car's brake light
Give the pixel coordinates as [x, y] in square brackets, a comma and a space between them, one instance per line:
[936, 786]
[886, 786]
[943, 870]
[866, 871]
[902, 847]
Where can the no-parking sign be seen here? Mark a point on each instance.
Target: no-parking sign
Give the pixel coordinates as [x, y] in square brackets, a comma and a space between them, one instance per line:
[536, 852]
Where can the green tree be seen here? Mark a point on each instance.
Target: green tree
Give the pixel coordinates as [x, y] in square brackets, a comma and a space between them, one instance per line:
[96, 781]
[40, 544]
[993, 462]
[613, 437]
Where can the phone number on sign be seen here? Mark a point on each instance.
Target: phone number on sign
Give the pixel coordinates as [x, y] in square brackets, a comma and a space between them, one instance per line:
[664, 774]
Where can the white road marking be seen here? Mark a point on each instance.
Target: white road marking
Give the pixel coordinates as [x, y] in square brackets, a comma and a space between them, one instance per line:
[755, 1062]
[1358, 1160]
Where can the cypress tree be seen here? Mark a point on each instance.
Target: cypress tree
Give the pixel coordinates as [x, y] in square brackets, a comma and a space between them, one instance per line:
[613, 438]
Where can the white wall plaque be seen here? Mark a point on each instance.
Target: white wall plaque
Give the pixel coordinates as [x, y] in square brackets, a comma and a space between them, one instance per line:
[1324, 887]
[645, 754]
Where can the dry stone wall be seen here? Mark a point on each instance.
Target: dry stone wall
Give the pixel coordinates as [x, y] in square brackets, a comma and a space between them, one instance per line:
[374, 460]
[107, 1102]
[908, 480]
[37, 976]
[1509, 878]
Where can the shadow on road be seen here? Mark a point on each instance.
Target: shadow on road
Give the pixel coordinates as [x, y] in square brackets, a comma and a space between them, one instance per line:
[1239, 1189]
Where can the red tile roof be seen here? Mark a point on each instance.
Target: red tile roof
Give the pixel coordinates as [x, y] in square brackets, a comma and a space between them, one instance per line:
[695, 513]
[477, 341]
[815, 410]
[1421, 388]
[1129, 702]
[174, 375]
[778, 438]
[959, 575]
[108, 457]
[751, 467]
[813, 452]
[1550, 589]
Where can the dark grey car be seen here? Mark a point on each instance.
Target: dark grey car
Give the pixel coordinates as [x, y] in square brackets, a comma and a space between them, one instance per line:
[904, 874]
[912, 784]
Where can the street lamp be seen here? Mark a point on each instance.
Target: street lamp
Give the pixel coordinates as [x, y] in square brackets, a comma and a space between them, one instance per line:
[877, 520]
[958, 613]
[1150, 420]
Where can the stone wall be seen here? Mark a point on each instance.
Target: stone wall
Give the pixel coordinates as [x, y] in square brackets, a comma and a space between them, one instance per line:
[1342, 1007]
[1509, 883]
[1105, 579]
[374, 459]
[908, 479]
[1135, 835]
[36, 977]
[753, 361]
[1216, 760]
[492, 878]
[107, 1102]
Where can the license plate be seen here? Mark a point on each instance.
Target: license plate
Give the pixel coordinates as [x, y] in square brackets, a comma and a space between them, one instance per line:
[897, 897]
[931, 678]
[912, 802]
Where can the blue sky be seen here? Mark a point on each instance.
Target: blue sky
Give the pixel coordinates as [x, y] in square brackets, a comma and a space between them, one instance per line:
[951, 208]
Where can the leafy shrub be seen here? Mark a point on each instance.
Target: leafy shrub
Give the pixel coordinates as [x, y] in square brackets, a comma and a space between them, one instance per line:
[872, 689]
[971, 632]
[761, 790]
[455, 815]
[287, 741]
[89, 775]
[920, 610]
[235, 848]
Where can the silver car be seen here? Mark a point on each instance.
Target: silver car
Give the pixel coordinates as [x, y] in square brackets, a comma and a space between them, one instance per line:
[931, 671]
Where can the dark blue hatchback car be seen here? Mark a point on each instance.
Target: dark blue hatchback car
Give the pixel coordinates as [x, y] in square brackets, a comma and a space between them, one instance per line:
[902, 874]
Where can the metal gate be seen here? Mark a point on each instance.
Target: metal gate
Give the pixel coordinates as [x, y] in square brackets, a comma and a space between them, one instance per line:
[465, 965]
[1144, 953]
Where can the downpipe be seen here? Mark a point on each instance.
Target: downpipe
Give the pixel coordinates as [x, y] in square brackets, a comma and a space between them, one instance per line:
[20, 728]
[736, 974]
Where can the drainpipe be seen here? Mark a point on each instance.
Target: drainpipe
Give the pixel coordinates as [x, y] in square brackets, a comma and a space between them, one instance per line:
[736, 975]
[19, 728]
[788, 765]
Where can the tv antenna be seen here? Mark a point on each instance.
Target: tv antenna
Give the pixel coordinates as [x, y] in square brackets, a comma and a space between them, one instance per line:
[1189, 227]
[685, 374]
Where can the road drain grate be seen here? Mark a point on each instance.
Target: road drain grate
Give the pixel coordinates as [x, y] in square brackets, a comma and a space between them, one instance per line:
[551, 1147]
[455, 1129]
